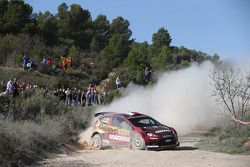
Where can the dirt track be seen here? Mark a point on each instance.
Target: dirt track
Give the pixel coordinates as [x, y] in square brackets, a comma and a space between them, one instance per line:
[185, 156]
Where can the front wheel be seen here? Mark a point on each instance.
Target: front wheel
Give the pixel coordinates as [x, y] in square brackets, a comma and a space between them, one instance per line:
[96, 142]
[138, 142]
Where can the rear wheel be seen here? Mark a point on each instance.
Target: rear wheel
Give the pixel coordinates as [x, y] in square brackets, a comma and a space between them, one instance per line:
[96, 142]
[138, 142]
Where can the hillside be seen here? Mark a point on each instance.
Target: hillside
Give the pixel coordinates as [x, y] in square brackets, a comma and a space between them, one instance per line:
[100, 46]
[49, 53]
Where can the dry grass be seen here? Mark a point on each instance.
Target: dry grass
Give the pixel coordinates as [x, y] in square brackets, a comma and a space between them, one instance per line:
[43, 125]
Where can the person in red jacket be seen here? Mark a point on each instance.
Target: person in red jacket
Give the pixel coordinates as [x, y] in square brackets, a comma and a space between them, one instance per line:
[49, 61]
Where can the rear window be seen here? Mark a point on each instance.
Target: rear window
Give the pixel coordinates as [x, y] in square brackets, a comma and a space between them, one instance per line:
[121, 123]
[106, 120]
[144, 122]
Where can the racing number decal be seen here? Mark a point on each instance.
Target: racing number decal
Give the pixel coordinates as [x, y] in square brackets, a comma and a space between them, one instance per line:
[119, 138]
[107, 127]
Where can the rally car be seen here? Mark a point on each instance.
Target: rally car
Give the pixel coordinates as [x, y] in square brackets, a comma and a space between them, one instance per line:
[133, 130]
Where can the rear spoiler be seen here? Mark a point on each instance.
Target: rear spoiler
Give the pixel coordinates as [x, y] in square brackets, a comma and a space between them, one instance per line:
[101, 113]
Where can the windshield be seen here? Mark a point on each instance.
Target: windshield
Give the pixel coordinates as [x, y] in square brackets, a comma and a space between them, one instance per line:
[144, 122]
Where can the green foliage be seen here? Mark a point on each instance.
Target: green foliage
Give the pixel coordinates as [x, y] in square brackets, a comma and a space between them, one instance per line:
[8, 49]
[137, 57]
[164, 59]
[115, 52]
[4, 104]
[39, 128]
[161, 38]
[14, 15]
[101, 28]
[229, 139]
[184, 64]
[47, 28]
[113, 94]
[120, 26]
[118, 44]
[45, 69]
[43, 123]
[127, 75]
[96, 46]
[35, 105]
[12, 49]
[74, 26]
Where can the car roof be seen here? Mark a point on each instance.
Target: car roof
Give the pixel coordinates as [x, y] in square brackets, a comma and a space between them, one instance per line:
[126, 115]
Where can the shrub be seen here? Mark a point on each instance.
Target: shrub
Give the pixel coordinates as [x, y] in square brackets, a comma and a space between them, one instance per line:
[43, 124]
[34, 105]
[25, 141]
[229, 138]
[4, 104]
[12, 47]
[45, 69]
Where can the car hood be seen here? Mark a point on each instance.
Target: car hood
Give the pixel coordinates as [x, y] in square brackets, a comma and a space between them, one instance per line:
[157, 129]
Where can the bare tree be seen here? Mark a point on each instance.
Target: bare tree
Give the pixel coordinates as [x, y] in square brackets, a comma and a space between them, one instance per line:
[232, 91]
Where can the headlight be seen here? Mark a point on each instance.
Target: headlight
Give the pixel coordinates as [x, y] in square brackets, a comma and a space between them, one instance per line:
[152, 135]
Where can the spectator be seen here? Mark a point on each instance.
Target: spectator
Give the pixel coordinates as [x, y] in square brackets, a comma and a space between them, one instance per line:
[95, 97]
[83, 99]
[25, 60]
[90, 87]
[44, 60]
[78, 97]
[99, 98]
[74, 97]
[56, 92]
[29, 87]
[67, 101]
[49, 61]
[105, 93]
[45, 91]
[118, 82]
[30, 64]
[10, 87]
[62, 95]
[16, 88]
[54, 68]
[147, 74]
[88, 97]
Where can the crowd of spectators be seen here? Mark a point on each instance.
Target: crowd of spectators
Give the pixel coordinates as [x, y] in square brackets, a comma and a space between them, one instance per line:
[74, 97]
[29, 63]
[14, 88]
[71, 97]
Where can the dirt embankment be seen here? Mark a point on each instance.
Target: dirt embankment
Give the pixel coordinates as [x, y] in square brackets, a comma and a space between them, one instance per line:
[187, 155]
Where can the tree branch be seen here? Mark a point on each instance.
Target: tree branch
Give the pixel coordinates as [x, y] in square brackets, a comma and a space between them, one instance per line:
[239, 121]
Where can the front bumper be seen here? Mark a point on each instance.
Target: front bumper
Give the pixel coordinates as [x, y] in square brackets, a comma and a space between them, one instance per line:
[162, 147]
[159, 145]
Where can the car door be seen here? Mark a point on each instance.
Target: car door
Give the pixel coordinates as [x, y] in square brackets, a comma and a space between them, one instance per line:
[121, 133]
[106, 128]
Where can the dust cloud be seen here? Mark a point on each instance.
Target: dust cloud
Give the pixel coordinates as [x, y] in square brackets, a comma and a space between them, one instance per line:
[180, 99]
[85, 138]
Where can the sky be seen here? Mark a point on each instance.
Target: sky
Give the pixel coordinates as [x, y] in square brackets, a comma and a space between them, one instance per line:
[210, 26]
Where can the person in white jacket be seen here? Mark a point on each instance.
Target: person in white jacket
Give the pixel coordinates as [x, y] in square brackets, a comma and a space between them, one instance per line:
[10, 87]
[118, 82]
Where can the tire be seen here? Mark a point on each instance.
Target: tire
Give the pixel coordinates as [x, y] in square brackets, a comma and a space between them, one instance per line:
[138, 142]
[96, 142]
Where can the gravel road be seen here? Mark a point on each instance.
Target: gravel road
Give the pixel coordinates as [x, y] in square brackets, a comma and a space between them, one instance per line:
[187, 155]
